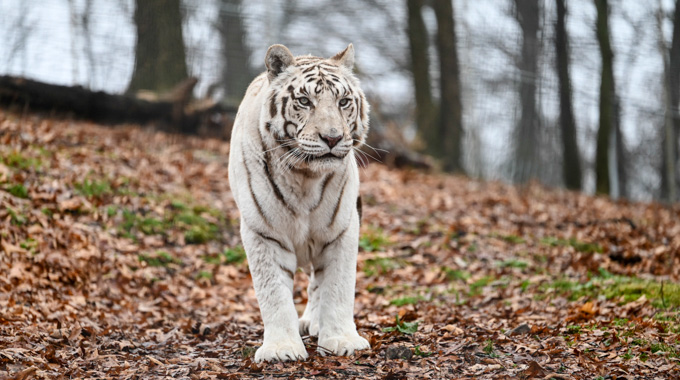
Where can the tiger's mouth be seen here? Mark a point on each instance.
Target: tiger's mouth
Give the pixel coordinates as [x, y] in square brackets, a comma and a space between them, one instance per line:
[328, 156]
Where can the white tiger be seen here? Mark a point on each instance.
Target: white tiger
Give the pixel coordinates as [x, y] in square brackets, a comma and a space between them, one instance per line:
[294, 177]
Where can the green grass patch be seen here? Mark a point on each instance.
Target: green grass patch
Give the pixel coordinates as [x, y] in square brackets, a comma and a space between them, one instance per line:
[18, 161]
[513, 239]
[512, 263]
[406, 301]
[15, 217]
[423, 354]
[477, 286]
[373, 240]
[456, 274]
[408, 328]
[489, 349]
[235, 255]
[204, 274]
[92, 188]
[664, 348]
[196, 228]
[159, 259]
[576, 244]
[30, 245]
[620, 288]
[18, 190]
[380, 265]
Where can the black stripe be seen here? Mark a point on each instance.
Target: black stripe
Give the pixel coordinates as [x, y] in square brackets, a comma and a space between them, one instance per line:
[252, 193]
[310, 68]
[285, 128]
[323, 191]
[277, 242]
[323, 249]
[359, 208]
[272, 106]
[288, 271]
[337, 205]
[305, 172]
[284, 102]
[273, 184]
[318, 271]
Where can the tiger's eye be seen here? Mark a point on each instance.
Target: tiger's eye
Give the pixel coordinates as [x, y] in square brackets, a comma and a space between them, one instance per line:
[344, 102]
[304, 101]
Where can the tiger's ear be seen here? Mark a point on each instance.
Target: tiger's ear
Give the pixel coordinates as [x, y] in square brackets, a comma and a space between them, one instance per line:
[345, 57]
[277, 59]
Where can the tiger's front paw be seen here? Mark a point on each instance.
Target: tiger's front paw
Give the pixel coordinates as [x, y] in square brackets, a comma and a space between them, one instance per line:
[343, 345]
[308, 326]
[281, 350]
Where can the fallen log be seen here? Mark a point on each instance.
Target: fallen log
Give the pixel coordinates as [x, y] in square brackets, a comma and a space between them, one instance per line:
[175, 111]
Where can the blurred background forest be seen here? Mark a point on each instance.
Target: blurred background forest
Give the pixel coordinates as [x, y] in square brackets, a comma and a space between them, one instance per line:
[582, 94]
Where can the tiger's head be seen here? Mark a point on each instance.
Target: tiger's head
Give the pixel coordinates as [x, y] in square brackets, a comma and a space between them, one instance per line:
[315, 108]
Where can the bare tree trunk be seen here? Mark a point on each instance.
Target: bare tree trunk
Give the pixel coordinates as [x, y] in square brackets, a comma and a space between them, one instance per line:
[420, 68]
[571, 163]
[606, 133]
[160, 57]
[236, 73]
[450, 107]
[526, 143]
[669, 178]
[87, 34]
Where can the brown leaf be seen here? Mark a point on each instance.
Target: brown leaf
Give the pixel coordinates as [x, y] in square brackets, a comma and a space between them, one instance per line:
[534, 370]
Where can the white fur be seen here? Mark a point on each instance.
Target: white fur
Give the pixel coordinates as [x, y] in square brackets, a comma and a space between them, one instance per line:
[304, 230]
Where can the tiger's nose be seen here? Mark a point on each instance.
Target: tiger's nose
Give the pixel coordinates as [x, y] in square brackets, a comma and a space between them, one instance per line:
[331, 140]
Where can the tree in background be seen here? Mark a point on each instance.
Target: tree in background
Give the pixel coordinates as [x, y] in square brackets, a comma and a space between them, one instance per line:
[609, 169]
[426, 114]
[450, 123]
[236, 73]
[572, 162]
[526, 143]
[160, 57]
[671, 128]
[441, 126]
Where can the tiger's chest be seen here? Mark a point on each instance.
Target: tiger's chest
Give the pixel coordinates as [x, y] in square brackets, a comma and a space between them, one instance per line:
[310, 211]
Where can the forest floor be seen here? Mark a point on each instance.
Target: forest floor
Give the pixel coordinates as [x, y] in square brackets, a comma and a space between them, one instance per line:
[121, 259]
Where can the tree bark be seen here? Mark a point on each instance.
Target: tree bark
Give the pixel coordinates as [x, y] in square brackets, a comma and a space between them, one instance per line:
[160, 58]
[526, 144]
[450, 108]
[669, 148]
[236, 72]
[420, 69]
[606, 128]
[571, 162]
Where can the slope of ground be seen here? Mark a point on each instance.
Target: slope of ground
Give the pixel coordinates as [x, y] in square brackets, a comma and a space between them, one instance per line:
[120, 258]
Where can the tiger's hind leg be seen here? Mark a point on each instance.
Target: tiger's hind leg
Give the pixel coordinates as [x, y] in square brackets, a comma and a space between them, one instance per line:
[309, 322]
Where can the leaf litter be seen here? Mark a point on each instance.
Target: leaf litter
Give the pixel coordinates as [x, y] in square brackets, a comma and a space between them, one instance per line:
[121, 259]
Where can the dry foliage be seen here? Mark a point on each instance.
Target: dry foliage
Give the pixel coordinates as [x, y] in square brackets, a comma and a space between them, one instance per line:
[121, 259]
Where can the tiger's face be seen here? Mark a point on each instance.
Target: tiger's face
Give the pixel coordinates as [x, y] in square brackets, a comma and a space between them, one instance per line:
[316, 110]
